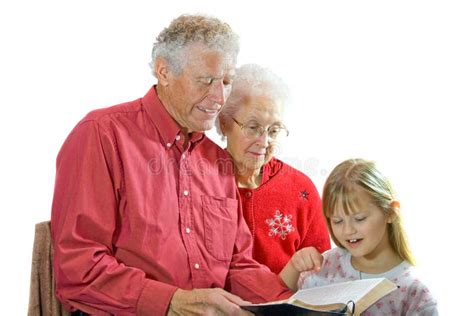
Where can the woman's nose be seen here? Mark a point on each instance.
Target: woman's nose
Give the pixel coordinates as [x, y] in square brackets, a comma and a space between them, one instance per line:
[263, 139]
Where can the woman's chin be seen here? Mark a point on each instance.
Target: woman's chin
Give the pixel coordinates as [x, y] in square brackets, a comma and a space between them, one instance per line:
[268, 157]
[254, 165]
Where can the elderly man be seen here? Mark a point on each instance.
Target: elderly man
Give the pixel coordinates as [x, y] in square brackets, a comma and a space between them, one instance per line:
[145, 216]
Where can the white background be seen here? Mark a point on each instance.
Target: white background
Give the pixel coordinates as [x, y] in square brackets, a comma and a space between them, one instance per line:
[391, 82]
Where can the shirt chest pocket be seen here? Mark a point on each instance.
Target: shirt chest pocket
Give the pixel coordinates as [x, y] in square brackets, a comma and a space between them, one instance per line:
[220, 226]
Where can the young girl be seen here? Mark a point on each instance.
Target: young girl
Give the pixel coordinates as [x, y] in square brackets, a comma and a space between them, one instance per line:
[364, 221]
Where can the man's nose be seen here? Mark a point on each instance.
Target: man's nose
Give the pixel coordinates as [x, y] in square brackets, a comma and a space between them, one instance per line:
[218, 92]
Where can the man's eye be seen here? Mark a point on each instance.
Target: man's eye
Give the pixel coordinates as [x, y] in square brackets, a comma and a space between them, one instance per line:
[207, 81]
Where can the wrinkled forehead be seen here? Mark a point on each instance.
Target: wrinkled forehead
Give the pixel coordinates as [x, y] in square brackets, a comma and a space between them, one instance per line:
[220, 61]
[261, 108]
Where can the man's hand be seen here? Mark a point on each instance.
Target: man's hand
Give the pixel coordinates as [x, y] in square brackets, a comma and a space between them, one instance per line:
[304, 259]
[209, 302]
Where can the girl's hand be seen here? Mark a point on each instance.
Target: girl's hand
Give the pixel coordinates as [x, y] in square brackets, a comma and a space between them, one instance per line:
[307, 259]
[304, 259]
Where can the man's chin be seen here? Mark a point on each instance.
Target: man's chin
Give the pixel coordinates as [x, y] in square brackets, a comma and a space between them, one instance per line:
[205, 125]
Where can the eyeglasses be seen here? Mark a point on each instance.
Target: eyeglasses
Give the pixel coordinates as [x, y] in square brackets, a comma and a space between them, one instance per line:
[253, 130]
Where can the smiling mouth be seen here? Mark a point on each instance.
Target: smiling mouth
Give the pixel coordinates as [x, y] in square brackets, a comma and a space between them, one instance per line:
[208, 111]
[354, 241]
[257, 154]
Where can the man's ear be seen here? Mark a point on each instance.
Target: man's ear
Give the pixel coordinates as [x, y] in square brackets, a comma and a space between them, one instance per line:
[162, 71]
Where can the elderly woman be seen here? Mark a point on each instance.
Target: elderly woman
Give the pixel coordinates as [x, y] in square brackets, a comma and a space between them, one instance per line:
[281, 205]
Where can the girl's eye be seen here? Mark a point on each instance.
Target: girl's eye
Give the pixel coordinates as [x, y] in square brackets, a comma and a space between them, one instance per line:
[360, 219]
[336, 221]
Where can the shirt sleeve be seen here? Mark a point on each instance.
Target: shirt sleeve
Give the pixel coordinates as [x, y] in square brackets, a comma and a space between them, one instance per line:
[420, 300]
[247, 278]
[317, 234]
[307, 279]
[84, 222]
[431, 310]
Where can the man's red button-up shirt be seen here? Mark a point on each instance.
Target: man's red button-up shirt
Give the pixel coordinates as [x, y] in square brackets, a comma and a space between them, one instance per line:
[137, 213]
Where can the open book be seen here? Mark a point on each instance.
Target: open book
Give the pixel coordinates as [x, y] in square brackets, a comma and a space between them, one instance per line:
[347, 298]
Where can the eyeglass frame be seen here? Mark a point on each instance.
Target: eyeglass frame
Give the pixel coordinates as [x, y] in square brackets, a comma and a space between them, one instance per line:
[262, 131]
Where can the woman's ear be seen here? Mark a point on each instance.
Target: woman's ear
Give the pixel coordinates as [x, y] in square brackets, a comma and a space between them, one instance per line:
[162, 72]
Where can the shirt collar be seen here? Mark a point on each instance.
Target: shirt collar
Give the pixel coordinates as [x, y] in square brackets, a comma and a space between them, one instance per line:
[270, 169]
[167, 127]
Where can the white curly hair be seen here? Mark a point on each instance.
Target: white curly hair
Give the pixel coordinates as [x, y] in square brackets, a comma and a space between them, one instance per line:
[252, 80]
[173, 42]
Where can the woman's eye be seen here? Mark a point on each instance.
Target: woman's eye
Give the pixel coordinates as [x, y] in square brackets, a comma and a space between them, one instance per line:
[274, 131]
[336, 221]
[360, 219]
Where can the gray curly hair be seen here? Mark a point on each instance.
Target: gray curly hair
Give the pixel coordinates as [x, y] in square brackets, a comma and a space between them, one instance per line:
[172, 43]
[253, 80]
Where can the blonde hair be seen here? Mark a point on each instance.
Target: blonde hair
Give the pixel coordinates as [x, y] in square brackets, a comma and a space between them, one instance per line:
[340, 190]
[173, 42]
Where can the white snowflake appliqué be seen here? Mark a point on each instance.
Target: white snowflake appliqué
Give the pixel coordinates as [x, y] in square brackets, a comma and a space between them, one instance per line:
[280, 225]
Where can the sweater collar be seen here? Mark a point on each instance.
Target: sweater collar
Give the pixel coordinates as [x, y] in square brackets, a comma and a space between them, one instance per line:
[270, 169]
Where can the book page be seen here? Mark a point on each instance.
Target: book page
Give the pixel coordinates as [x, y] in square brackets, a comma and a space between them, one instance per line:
[337, 292]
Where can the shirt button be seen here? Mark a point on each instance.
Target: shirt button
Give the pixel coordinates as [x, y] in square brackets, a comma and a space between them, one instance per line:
[183, 156]
[196, 266]
[186, 192]
[178, 137]
[248, 194]
[188, 230]
[168, 145]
